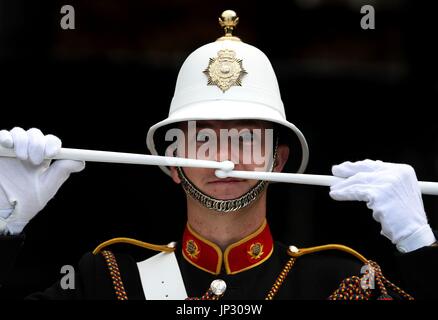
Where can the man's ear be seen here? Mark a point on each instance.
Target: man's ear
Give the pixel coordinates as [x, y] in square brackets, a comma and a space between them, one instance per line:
[282, 156]
[174, 175]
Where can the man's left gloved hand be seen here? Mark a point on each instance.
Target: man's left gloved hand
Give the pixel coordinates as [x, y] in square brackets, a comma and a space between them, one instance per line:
[391, 190]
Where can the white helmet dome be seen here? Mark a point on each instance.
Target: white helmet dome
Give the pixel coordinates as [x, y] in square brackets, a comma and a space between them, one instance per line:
[241, 86]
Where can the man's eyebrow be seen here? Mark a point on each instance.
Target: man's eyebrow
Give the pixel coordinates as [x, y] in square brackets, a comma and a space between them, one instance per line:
[203, 126]
[247, 123]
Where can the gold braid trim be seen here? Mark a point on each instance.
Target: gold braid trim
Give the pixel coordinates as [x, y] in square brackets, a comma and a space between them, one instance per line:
[138, 243]
[355, 288]
[114, 271]
[277, 284]
[350, 288]
[340, 247]
[301, 252]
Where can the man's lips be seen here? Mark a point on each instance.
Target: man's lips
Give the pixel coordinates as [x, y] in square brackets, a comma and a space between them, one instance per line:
[227, 180]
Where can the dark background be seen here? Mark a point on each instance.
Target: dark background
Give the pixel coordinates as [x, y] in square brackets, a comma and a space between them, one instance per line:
[354, 93]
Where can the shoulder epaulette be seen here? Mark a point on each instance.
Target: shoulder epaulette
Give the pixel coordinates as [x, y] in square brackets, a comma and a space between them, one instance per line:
[113, 266]
[156, 247]
[295, 252]
[350, 288]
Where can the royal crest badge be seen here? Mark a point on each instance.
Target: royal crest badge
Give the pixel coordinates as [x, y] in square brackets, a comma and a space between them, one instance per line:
[192, 249]
[256, 250]
[225, 70]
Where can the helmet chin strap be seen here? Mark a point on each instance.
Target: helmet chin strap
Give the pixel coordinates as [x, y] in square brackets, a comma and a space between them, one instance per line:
[225, 206]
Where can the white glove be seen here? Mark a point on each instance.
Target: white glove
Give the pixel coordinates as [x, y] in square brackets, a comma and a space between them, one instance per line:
[28, 182]
[391, 190]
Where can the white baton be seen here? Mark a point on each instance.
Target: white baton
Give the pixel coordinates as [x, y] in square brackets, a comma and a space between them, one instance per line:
[224, 168]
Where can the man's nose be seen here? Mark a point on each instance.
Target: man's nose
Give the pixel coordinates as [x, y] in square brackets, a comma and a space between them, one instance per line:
[225, 152]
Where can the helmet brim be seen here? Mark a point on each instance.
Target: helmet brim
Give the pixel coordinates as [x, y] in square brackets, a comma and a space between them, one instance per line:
[226, 110]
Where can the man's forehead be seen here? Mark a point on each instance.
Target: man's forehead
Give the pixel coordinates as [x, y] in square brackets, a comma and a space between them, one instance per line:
[228, 124]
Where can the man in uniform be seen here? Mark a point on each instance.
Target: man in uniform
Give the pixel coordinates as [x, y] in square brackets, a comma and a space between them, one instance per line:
[227, 250]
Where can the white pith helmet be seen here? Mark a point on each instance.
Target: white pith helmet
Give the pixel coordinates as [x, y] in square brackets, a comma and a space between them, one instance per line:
[227, 80]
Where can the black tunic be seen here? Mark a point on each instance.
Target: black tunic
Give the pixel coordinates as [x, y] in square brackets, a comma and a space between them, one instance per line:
[313, 276]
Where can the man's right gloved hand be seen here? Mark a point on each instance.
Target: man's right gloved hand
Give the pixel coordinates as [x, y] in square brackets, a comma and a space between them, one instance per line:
[28, 182]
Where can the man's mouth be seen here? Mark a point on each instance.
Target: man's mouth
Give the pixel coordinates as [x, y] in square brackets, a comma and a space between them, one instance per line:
[226, 180]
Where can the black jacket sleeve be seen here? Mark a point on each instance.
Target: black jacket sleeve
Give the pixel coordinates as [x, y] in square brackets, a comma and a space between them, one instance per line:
[9, 248]
[419, 272]
[93, 281]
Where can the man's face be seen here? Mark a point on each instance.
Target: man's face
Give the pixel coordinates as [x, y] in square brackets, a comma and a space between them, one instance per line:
[249, 144]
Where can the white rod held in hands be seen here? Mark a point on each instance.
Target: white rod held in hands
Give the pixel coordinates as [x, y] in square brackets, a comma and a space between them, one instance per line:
[129, 158]
[224, 168]
[430, 188]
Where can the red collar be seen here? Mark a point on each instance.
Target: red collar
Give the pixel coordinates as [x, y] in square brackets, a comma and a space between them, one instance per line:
[240, 256]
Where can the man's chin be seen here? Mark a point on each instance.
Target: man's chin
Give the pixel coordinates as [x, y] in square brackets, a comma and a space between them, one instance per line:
[225, 195]
[228, 191]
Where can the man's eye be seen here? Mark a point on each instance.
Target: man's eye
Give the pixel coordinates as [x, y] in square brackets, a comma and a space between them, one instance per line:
[203, 136]
[247, 136]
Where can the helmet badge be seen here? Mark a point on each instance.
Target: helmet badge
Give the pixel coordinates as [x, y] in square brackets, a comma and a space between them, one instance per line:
[225, 70]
